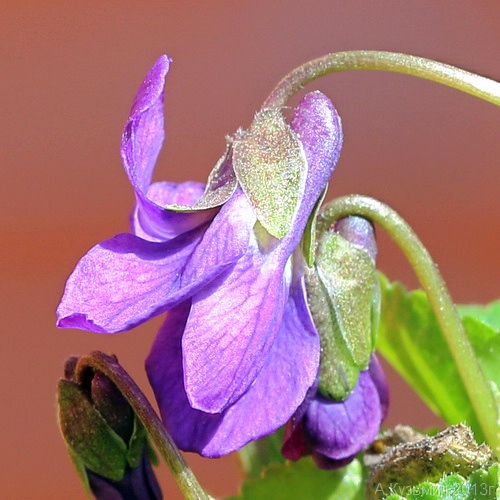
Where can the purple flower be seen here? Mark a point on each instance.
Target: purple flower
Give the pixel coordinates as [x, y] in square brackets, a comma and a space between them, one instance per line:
[238, 350]
[333, 432]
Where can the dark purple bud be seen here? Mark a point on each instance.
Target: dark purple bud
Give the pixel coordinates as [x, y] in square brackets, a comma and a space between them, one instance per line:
[333, 432]
[106, 440]
[112, 406]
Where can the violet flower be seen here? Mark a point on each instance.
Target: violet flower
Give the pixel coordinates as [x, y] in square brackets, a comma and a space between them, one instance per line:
[333, 432]
[238, 350]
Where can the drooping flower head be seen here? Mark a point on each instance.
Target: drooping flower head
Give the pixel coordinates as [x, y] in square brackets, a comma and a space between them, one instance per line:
[238, 350]
[344, 409]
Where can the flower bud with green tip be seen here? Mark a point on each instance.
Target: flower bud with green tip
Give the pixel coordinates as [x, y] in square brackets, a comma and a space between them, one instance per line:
[105, 439]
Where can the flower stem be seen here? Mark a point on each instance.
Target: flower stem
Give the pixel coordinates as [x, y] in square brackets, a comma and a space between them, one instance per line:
[467, 82]
[477, 388]
[184, 476]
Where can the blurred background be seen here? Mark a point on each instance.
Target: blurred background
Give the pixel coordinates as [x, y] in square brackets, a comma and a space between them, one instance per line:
[68, 74]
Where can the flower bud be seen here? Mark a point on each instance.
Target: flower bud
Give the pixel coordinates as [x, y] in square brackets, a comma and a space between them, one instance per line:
[106, 440]
[343, 298]
[343, 410]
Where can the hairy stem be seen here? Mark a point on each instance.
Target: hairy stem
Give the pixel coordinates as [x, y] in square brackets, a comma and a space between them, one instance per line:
[373, 60]
[184, 476]
[427, 272]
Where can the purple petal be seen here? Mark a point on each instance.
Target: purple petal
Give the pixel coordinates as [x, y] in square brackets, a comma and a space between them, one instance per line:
[232, 324]
[318, 126]
[288, 372]
[339, 430]
[126, 280]
[378, 378]
[162, 194]
[141, 143]
[225, 240]
[143, 134]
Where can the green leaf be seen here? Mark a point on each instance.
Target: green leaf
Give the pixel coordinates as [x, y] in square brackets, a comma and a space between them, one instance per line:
[483, 327]
[270, 165]
[488, 314]
[411, 340]
[482, 484]
[259, 454]
[486, 343]
[87, 434]
[303, 480]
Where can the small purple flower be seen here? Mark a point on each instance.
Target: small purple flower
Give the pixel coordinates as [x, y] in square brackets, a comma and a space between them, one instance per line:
[238, 350]
[333, 432]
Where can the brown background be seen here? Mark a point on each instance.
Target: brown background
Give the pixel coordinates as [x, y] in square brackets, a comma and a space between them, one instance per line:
[68, 73]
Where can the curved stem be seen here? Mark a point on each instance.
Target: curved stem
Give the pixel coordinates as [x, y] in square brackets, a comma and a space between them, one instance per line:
[427, 272]
[467, 82]
[184, 476]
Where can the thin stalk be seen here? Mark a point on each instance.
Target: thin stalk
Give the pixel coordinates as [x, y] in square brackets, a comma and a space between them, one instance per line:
[470, 83]
[427, 272]
[184, 476]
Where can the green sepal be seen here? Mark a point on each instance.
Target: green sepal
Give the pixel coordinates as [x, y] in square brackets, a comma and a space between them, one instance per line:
[411, 339]
[82, 473]
[151, 454]
[309, 237]
[488, 314]
[270, 164]
[221, 184]
[87, 434]
[136, 444]
[348, 274]
[338, 371]
[304, 480]
[261, 453]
